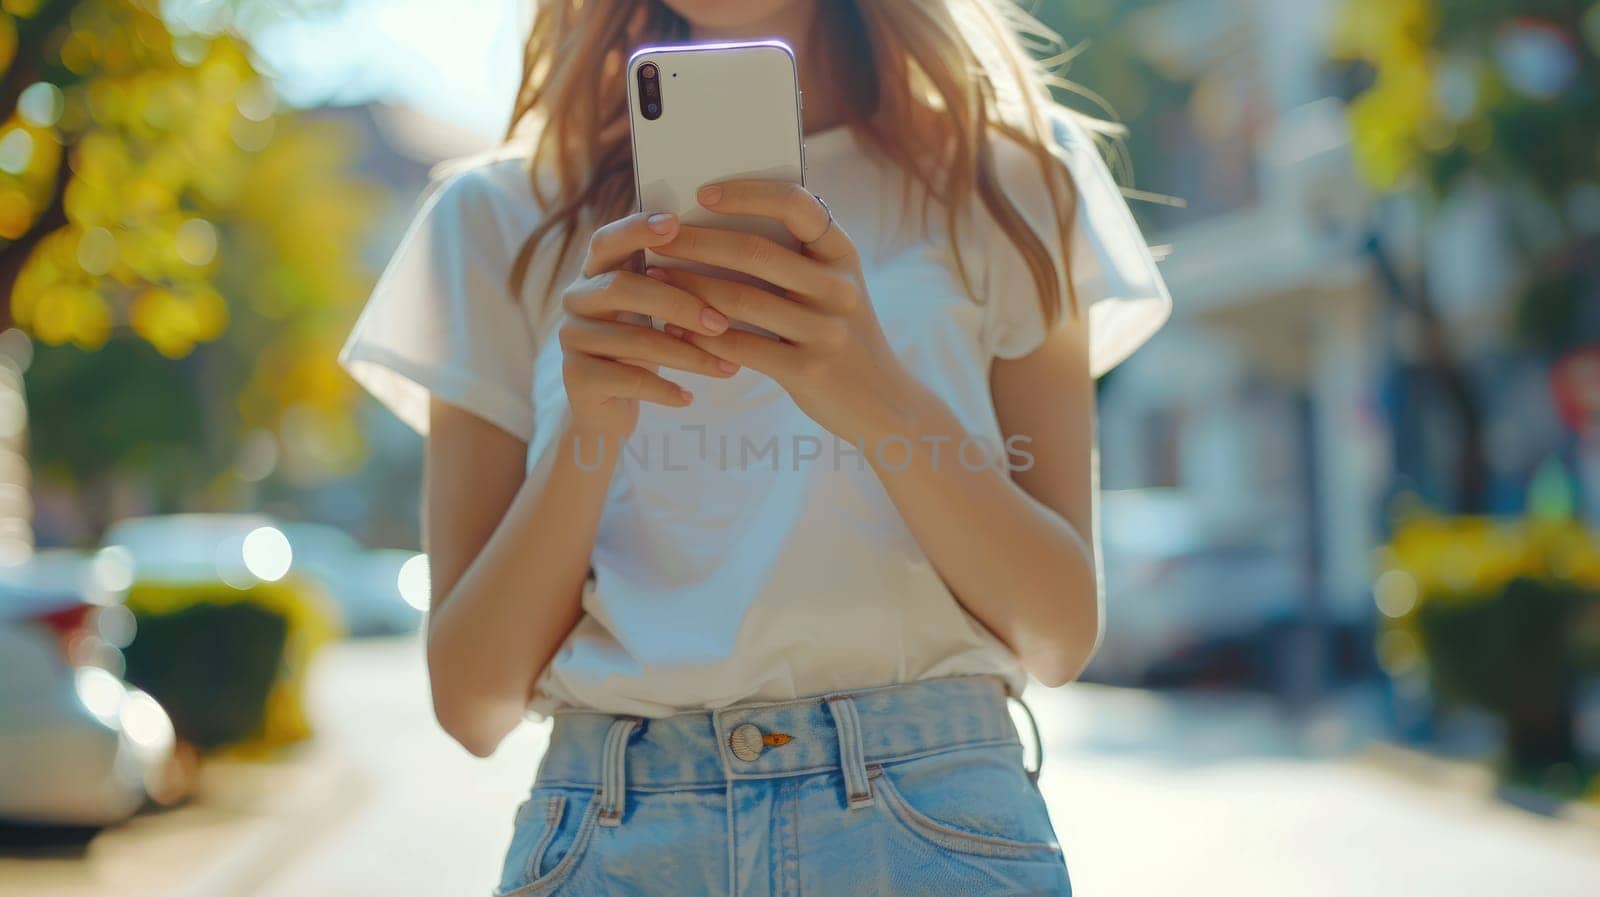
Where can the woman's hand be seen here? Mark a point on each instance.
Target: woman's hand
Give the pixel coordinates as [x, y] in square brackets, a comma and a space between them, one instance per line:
[830, 355]
[610, 363]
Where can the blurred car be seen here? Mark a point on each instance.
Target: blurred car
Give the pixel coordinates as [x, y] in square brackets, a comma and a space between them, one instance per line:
[236, 549]
[78, 746]
[1188, 578]
[377, 592]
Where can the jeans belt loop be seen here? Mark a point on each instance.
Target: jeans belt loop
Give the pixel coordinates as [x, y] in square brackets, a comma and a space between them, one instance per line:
[614, 770]
[852, 755]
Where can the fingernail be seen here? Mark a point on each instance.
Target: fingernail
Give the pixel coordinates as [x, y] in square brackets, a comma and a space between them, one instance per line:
[660, 222]
[728, 367]
[710, 196]
[685, 396]
[657, 273]
[675, 330]
[715, 321]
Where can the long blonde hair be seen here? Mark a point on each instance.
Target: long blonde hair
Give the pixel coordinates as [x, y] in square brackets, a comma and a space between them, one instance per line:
[924, 73]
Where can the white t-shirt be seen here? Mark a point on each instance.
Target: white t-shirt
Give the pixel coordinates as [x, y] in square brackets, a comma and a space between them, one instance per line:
[744, 554]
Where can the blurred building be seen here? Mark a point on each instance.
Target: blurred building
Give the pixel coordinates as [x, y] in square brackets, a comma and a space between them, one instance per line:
[1242, 451]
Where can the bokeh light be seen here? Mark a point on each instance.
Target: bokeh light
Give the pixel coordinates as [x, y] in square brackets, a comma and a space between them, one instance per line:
[415, 582]
[13, 415]
[197, 242]
[1396, 593]
[267, 553]
[113, 569]
[145, 723]
[40, 104]
[100, 692]
[258, 456]
[97, 251]
[116, 625]
[16, 151]
[1537, 58]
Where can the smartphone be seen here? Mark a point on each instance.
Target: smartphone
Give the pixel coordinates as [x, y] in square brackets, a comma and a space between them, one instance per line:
[702, 113]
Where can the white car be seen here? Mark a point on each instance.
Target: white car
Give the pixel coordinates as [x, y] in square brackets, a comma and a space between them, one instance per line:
[78, 746]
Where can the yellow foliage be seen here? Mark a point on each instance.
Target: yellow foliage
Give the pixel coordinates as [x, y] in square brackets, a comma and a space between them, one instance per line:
[55, 300]
[293, 374]
[146, 157]
[174, 322]
[16, 212]
[1373, 29]
[159, 146]
[194, 206]
[1462, 558]
[299, 209]
[67, 314]
[299, 390]
[1434, 559]
[1392, 119]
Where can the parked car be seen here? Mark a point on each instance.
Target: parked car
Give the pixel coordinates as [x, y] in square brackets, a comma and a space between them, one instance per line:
[1186, 579]
[367, 586]
[234, 549]
[377, 592]
[78, 746]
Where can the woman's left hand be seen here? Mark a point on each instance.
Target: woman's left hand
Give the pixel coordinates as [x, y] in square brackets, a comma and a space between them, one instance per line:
[830, 353]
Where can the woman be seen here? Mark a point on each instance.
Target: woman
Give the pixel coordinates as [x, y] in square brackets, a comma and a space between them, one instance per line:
[774, 588]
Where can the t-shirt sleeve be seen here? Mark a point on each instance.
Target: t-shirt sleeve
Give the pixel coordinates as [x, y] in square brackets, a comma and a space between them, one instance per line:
[1113, 273]
[442, 321]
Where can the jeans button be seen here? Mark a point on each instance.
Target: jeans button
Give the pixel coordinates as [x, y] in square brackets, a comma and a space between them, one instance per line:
[745, 742]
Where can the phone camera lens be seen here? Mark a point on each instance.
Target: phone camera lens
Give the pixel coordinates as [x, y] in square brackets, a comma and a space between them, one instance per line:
[649, 89]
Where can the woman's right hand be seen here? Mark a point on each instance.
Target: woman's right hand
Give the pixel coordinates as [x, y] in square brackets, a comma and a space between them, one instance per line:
[611, 363]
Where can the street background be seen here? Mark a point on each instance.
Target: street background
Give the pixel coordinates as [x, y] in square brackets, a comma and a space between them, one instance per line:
[1352, 490]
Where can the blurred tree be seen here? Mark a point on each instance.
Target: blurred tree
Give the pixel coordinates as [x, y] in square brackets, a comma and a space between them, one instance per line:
[185, 251]
[1504, 93]
[1496, 94]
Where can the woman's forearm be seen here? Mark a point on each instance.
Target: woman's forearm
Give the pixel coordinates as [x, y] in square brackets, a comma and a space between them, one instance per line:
[508, 614]
[1014, 563]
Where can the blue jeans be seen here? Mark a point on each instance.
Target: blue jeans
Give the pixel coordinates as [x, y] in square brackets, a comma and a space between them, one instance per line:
[914, 789]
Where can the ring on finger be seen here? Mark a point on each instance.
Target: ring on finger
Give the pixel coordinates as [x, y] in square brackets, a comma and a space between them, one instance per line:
[827, 227]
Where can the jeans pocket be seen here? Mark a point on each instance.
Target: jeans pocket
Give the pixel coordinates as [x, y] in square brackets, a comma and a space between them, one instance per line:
[551, 833]
[973, 801]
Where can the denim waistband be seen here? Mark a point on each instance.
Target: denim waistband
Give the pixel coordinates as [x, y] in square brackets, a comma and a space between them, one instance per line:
[769, 740]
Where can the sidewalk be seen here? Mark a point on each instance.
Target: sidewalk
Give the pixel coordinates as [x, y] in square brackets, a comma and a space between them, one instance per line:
[1151, 795]
[1161, 809]
[246, 818]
